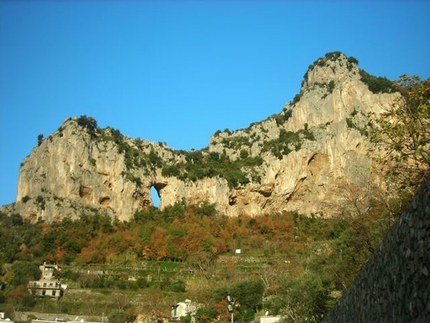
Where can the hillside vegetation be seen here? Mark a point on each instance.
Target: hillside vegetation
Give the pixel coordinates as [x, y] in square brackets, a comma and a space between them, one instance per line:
[289, 264]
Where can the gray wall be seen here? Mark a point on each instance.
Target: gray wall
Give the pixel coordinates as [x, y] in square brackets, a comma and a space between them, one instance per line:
[394, 286]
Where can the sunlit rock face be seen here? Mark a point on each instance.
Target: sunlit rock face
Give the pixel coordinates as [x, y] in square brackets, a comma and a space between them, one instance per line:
[314, 155]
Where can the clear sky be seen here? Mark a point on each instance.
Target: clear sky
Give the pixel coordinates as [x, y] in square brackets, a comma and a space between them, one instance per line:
[178, 71]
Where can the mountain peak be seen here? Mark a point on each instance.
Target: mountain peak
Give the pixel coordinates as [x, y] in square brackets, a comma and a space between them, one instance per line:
[333, 66]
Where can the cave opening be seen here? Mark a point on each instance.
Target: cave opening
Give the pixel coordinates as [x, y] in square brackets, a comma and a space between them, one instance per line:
[155, 196]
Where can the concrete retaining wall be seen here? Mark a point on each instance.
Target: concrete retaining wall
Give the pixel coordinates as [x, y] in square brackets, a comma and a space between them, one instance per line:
[50, 317]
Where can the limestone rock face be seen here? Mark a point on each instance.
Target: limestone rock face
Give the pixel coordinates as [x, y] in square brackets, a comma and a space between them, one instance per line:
[313, 157]
[71, 170]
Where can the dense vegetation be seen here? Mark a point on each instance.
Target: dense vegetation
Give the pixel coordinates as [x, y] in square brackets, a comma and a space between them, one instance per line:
[377, 84]
[290, 264]
[287, 142]
[198, 165]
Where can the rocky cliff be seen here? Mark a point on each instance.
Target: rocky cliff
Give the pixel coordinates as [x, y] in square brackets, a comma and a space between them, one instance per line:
[312, 157]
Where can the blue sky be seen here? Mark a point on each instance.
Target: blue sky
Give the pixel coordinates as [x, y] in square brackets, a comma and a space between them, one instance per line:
[178, 71]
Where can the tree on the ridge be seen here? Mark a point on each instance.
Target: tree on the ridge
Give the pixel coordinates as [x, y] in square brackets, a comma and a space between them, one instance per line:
[88, 123]
[39, 139]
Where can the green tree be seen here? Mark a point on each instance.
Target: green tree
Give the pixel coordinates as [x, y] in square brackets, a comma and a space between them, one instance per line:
[25, 271]
[20, 298]
[377, 84]
[90, 124]
[305, 298]
[404, 132]
[39, 139]
[249, 294]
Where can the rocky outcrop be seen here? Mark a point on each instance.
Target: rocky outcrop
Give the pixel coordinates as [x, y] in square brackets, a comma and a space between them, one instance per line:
[311, 157]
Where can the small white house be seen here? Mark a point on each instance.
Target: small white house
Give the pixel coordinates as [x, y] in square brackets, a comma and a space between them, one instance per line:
[183, 309]
[4, 319]
[270, 318]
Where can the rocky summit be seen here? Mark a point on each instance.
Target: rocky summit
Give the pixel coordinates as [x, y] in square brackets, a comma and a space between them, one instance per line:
[314, 157]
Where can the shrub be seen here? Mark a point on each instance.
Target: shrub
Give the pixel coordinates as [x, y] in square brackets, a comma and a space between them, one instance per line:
[331, 86]
[171, 170]
[282, 118]
[118, 316]
[177, 286]
[351, 62]
[154, 158]
[377, 84]
[297, 97]
[206, 314]
[244, 154]
[17, 219]
[40, 201]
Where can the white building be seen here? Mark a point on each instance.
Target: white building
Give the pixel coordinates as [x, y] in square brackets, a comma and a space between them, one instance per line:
[4, 319]
[48, 285]
[183, 309]
[270, 318]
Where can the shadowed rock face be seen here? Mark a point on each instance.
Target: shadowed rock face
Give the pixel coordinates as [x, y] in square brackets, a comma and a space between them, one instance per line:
[313, 155]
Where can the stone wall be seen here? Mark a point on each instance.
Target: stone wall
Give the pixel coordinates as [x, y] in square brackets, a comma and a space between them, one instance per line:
[52, 317]
[394, 286]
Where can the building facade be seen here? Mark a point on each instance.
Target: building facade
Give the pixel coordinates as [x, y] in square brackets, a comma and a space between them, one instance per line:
[49, 284]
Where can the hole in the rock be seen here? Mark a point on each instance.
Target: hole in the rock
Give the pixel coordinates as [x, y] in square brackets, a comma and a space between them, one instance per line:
[155, 197]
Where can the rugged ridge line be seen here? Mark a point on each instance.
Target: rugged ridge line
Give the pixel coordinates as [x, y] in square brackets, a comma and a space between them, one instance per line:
[312, 157]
